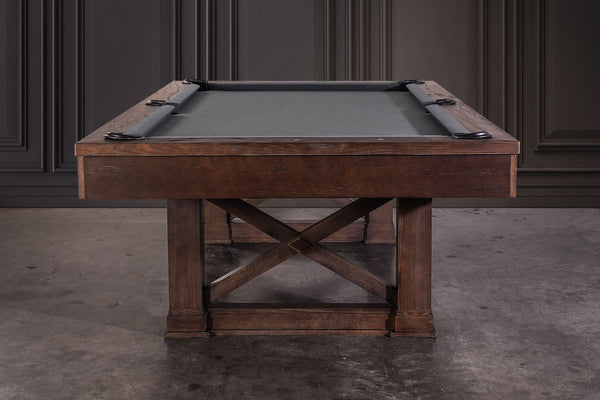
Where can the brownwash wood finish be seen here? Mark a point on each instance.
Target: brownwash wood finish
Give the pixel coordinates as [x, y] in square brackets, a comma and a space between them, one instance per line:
[221, 172]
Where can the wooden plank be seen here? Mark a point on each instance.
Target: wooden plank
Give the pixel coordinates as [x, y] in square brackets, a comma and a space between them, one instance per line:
[413, 258]
[306, 316]
[284, 232]
[216, 226]
[482, 176]
[258, 218]
[513, 176]
[314, 234]
[295, 242]
[242, 232]
[377, 227]
[380, 226]
[81, 177]
[299, 147]
[296, 332]
[352, 272]
[186, 265]
[243, 274]
[341, 218]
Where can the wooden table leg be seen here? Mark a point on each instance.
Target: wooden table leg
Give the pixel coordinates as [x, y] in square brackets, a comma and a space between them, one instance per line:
[381, 225]
[187, 313]
[413, 264]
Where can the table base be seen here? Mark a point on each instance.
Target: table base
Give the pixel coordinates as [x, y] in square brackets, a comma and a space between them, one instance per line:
[194, 312]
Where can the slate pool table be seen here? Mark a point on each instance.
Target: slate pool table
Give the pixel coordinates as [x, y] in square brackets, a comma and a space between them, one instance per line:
[221, 142]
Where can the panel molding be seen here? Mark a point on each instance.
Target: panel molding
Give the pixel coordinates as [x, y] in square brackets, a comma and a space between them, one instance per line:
[232, 40]
[176, 26]
[385, 40]
[209, 40]
[357, 42]
[329, 41]
[215, 39]
[26, 151]
[357, 37]
[495, 62]
[366, 39]
[545, 148]
[558, 144]
[223, 39]
[483, 73]
[60, 55]
[555, 140]
[19, 141]
[483, 56]
[364, 35]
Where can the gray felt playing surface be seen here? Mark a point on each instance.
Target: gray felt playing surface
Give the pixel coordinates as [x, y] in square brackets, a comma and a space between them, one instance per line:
[243, 114]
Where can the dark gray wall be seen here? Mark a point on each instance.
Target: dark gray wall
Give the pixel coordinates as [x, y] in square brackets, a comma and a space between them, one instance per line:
[67, 66]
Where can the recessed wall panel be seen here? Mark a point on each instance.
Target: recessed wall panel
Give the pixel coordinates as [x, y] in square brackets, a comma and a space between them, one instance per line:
[572, 65]
[10, 77]
[441, 41]
[127, 54]
[281, 40]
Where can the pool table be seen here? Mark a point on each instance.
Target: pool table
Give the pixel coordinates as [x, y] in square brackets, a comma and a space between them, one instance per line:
[197, 141]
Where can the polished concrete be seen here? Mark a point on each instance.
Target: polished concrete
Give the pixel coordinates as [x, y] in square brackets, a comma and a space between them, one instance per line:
[516, 299]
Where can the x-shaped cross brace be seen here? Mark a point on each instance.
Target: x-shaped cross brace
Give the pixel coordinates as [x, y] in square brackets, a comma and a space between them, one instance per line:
[305, 242]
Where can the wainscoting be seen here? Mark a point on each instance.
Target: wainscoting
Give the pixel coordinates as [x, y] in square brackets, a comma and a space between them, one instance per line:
[67, 66]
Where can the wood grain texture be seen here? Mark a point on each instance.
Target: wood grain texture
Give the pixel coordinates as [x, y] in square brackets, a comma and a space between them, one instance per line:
[377, 227]
[242, 232]
[217, 228]
[256, 217]
[298, 317]
[186, 265]
[352, 273]
[80, 178]
[297, 176]
[380, 225]
[243, 274]
[186, 326]
[295, 332]
[315, 233]
[341, 218]
[413, 316]
[305, 242]
[300, 146]
[513, 176]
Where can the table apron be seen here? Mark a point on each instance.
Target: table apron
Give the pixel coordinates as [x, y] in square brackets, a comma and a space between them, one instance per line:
[206, 177]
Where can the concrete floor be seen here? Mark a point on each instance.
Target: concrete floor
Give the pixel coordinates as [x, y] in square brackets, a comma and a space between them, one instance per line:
[516, 299]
